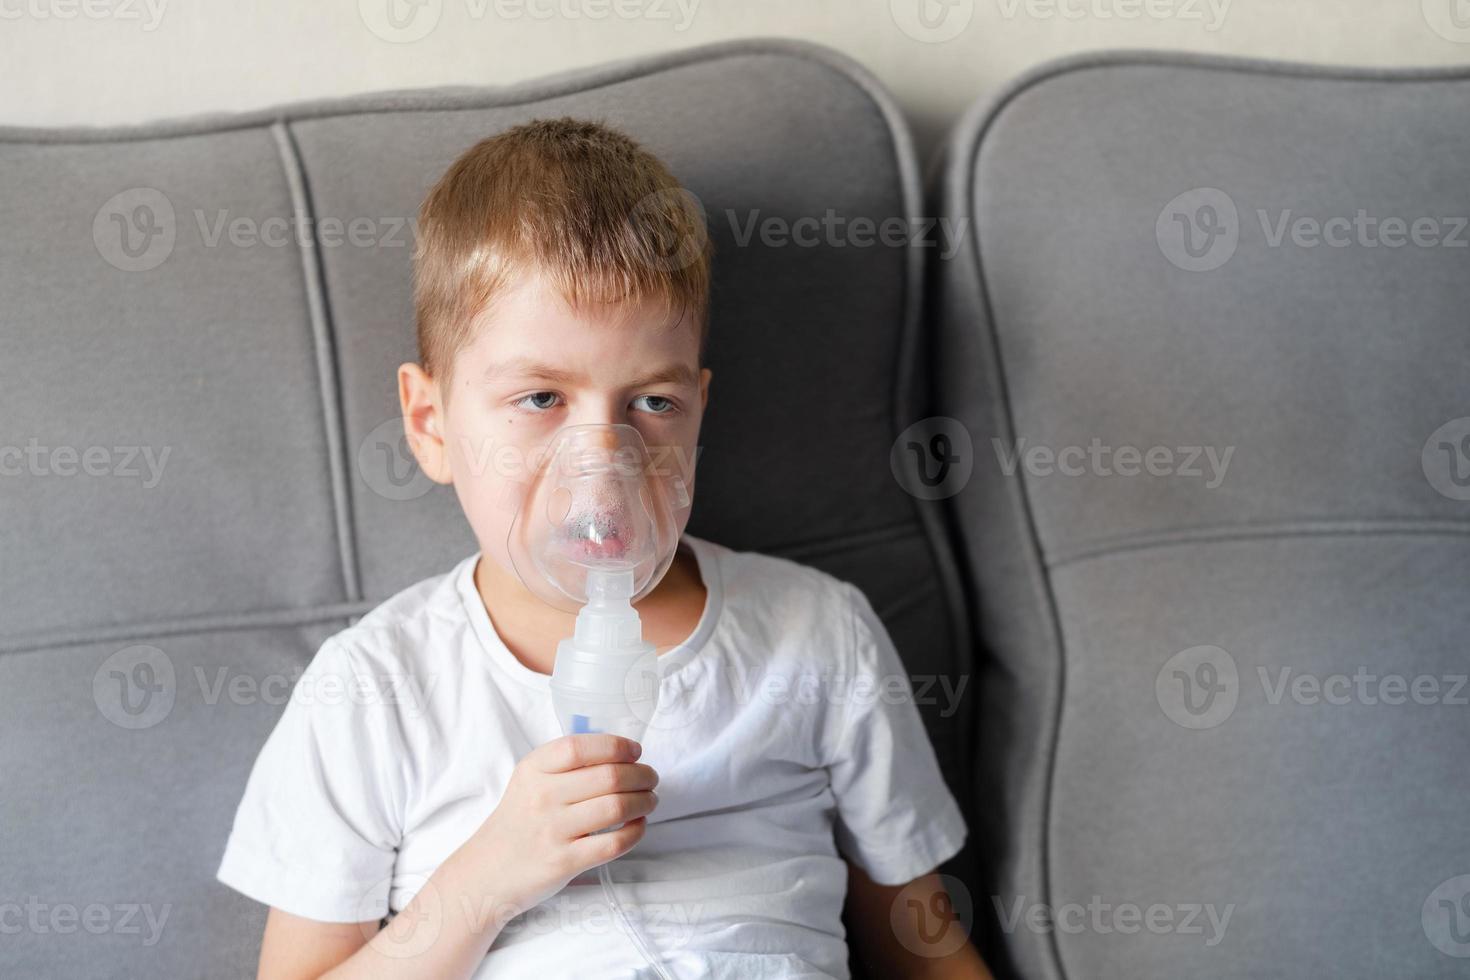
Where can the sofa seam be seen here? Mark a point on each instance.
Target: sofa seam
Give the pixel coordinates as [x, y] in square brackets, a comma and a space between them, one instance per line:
[324, 341]
[209, 623]
[912, 392]
[1337, 528]
[1041, 574]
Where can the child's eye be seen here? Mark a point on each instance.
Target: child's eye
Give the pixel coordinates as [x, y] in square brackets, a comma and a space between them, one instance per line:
[655, 404]
[538, 401]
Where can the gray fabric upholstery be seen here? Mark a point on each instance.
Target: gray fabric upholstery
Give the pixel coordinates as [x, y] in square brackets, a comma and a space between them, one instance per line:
[1074, 313]
[284, 507]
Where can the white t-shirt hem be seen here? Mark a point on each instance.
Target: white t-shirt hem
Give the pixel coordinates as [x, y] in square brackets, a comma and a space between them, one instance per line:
[310, 895]
[918, 853]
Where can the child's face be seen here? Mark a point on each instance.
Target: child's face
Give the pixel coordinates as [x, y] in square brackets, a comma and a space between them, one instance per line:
[536, 366]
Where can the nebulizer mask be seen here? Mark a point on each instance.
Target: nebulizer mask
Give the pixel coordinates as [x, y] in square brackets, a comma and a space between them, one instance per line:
[596, 531]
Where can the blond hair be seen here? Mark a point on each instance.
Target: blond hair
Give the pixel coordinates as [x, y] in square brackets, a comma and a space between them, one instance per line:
[577, 202]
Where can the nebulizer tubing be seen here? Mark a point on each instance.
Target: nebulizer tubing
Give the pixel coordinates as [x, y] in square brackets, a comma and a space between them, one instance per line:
[645, 949]
[594, 533]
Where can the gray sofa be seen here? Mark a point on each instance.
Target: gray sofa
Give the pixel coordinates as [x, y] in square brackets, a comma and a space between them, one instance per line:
[209, 479]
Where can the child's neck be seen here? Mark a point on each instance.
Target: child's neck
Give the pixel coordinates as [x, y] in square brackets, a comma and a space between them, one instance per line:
[531, 629]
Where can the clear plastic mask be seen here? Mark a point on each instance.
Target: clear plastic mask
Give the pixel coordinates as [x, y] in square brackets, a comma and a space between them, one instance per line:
[597, 502]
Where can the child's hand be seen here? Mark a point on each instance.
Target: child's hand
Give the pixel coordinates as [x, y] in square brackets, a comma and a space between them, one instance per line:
[538, 839]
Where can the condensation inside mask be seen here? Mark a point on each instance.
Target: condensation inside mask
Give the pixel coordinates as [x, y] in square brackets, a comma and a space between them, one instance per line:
[598, 502]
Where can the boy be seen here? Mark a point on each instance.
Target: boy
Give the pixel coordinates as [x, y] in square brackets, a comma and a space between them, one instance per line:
[545, 297]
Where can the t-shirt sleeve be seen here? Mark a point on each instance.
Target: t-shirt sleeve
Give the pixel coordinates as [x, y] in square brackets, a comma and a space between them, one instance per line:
[896, 818]
[315, 834]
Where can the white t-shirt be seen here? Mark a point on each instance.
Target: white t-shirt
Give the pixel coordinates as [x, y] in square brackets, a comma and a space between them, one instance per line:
[785, 739]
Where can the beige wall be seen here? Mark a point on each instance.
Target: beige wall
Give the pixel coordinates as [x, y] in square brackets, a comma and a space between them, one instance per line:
[109, 61]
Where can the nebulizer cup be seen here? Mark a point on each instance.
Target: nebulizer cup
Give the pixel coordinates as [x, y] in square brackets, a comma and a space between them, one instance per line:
[595, 532]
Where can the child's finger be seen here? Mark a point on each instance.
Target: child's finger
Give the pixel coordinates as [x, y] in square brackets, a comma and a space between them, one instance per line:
[612, 777]
[596, 849]
[593, 815]
[575, 751]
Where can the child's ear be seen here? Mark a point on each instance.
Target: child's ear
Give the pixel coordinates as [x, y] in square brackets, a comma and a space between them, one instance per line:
[423, 421]
[704, 377]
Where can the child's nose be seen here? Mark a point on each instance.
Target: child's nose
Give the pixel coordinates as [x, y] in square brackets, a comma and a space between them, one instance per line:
[602, 415]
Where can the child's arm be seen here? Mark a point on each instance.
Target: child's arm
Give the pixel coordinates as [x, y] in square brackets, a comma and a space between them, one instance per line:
[539, 838]
[914, 941]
